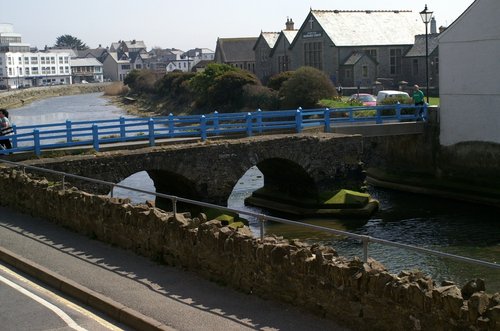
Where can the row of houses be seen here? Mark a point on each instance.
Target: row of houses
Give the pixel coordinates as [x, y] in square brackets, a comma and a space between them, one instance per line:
[354, 48]
[23, 66]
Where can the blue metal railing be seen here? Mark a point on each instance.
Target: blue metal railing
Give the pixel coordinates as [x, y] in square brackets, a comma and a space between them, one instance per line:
[95, 133]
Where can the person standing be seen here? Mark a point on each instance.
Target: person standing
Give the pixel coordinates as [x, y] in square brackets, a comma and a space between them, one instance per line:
[418, 100]
[5, 128]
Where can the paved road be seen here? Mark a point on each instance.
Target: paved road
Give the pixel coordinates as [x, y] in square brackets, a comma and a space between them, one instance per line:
[28, 305]
[179, 300]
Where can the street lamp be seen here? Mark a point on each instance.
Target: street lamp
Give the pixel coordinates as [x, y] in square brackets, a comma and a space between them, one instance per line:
[426, 18]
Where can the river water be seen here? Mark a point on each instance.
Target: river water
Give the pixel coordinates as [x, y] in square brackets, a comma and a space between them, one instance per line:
[439, 224]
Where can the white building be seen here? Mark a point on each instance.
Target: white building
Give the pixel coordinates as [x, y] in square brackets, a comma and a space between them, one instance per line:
[469, 76]
[20, 67]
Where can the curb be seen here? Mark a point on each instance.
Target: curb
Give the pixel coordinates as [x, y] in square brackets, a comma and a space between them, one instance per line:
[111, 308]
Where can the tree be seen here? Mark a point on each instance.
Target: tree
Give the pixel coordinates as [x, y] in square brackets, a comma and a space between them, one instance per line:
[68, 41]
[305, 88]
[202, 82]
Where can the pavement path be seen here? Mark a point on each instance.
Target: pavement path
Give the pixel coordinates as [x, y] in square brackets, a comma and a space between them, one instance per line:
[139, 292]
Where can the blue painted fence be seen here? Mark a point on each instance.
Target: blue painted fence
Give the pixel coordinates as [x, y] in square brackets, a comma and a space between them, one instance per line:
[35, 138]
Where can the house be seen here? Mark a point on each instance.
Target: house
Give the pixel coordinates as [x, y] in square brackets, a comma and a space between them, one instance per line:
[280, 53]
[116, 67]
[123, 57]
[468, 82]
[356, 47]
[263, 48]
[86, 69]
[237, 52]
[415, 59]
[21, 67]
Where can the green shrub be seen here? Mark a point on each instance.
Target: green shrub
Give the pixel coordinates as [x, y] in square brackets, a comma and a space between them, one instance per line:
[141, 81]
[276, 81]
[305, 88]
[260, 97]
[175, 85]
[203, 81]
[226, 91]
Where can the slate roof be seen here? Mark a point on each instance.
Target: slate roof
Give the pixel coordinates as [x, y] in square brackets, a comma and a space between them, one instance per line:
[290, 35]
[270, 38]
[237, 49]
[354, 58]
[85, 62]
[370, 27]
[418, 48]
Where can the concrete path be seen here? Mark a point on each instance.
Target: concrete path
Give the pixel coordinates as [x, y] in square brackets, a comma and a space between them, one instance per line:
[136, 291]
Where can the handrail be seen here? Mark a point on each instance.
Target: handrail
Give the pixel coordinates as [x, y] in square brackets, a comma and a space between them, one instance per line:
[263, 218]
[95, 133]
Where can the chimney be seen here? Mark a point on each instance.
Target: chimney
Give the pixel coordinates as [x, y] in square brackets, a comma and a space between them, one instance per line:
[289, 24]
[433, 26]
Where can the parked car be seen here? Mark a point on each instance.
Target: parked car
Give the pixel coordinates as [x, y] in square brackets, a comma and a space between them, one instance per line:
[364, 98]
[382, 95]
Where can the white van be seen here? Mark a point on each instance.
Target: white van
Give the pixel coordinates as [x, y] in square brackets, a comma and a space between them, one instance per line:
[390, 94]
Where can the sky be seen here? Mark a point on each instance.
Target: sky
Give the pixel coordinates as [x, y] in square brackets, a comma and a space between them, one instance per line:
[184, 24]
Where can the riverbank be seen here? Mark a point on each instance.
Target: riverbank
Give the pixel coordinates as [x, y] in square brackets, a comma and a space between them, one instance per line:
[18, 98]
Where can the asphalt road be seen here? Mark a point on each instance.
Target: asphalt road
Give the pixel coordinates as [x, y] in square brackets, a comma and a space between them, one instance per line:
[177, 299]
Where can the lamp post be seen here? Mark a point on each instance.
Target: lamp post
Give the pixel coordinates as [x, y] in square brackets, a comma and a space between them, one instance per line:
[426, 18]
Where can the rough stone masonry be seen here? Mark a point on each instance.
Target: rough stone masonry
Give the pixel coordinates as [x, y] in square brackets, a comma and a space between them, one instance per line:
[363, 296]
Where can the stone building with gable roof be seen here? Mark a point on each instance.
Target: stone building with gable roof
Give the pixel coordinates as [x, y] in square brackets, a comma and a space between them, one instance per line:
[355, 47]
[237, 52]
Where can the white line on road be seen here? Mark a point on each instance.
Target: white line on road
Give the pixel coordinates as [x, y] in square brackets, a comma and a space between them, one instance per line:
[72, 324]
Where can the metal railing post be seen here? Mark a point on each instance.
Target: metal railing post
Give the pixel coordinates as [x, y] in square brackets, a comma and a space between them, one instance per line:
[261, 227]
[327, 120]
[398, 111]
[171, 125]
[123, 132]
[366, 240]
[95, 137]
[69, 132]
[248, 120]
[111, 191]
[259, 120]
[203, 127]
[378, 119]
[36, 142]
[216, 122]
[151, 129]
[174, 205]
[298, 120]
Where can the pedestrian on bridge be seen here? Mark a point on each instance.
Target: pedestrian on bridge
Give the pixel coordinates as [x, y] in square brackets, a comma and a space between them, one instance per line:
[5, 129]
[418, 100]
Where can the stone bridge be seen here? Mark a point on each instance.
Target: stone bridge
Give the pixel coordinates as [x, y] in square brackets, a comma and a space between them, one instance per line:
[298, 165]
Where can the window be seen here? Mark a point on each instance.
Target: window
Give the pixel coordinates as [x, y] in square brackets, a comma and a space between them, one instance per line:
[282, 63]
[9, 60]
[436, 65]
[348, 73]
[27, 71]
[27, 60]
[42, 60]
[313, 55]
[52, 60]
[61, 69]
[53, 70]
[395, 61]
[66, 60]
[372, 53]
[34, 60]
[125, 66]
[364, 71]
[34, 70]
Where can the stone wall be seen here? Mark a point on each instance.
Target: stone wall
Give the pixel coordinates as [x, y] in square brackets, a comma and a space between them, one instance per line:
[363, 296]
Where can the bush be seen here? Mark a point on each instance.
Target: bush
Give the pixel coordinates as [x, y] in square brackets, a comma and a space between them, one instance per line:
[141, 81]
[276, 81]
[260, 97]
[175, 85]
[203, 81]
[226, 92]
[116, 89]
[305, 88]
